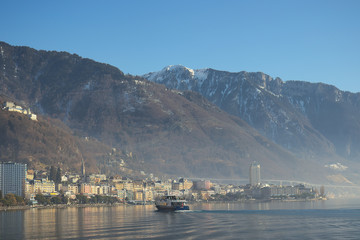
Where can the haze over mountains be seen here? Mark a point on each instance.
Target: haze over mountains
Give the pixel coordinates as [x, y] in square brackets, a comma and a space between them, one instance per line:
[306, 118]
[206, 132]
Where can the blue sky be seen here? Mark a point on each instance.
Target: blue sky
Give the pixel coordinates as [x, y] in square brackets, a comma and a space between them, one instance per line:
[315, 41]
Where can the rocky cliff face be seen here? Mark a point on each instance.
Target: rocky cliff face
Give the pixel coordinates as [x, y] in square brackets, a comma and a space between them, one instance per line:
[309, 119]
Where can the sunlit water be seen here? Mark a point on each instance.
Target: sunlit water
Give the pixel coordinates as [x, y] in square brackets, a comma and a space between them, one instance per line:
[275, 220]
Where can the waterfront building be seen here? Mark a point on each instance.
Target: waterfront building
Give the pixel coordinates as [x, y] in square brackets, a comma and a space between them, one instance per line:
[121, 194]
[128, 185]
[119, 185]
[94, 189]
[30, 175]
[149, 195]
[106, 189]
[85, 188]
[187, 184]
[138, 196]
[12, 178]
[138, 185]
[43, 186]
[204, 195]
[202, 185]
[283, 191]
[254, 174]
[150, 185]
[163, 186]
[177, 186]
[71, 188]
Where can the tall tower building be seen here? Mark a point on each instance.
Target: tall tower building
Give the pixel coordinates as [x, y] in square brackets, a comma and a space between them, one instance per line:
[12, 178]
[83, 168]
[254, 174]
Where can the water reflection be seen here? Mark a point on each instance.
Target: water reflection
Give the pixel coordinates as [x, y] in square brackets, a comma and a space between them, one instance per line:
[264, 206]
[12, 225]
[206, 220]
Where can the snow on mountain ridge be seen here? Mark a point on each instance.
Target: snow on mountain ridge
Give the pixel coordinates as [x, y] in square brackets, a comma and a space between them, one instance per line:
[266, 103]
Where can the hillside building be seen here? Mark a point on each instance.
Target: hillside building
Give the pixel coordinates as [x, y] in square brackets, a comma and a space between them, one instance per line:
[12, 107]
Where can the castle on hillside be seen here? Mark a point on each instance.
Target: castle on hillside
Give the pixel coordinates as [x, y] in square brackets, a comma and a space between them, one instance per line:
[12, 107]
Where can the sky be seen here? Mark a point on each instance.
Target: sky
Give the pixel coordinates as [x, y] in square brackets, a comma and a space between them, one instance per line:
[307, 40]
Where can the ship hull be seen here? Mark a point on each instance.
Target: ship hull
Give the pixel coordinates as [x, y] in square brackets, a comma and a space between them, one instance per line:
[171, 208]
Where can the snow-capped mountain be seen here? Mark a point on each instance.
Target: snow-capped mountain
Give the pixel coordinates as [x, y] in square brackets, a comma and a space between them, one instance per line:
[310, 119]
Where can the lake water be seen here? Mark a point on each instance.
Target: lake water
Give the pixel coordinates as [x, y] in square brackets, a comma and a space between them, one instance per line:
[274, 220]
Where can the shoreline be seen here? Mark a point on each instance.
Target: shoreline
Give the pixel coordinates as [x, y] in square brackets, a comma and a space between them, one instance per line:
[60, 206]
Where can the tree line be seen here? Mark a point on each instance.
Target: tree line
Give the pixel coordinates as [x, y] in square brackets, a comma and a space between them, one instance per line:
[11, 199]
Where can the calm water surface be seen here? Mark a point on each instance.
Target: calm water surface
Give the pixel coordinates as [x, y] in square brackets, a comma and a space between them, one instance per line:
[275, 220]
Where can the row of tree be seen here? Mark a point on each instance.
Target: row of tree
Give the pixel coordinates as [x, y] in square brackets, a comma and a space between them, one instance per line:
[43, 200]
[81, 199]
[15, 200]
[11, 199]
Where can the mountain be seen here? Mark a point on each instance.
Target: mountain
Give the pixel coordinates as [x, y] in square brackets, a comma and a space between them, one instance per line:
[157, 129]
[306, 118]
[315, 121]
[46, 142]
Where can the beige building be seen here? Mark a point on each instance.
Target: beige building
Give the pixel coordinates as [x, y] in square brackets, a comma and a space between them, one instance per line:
[177, 186]
[149, 195]
[40, 186]
[119, 185]
[187, 184]
[138, 185]
[74, 189]
[129, 186]
[30, 175]
[138, 196]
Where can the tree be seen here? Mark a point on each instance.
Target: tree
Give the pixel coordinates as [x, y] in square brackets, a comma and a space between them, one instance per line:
[52, 173]
[82, 199]
[64, 199]
[58, 176]
[56, 200]
[19, 200]
[42, 199]
[10, 200]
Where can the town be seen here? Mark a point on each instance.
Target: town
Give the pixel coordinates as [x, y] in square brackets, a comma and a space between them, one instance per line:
[22, 186]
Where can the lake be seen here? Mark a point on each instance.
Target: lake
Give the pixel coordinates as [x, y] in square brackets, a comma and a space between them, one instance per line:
[332, 219]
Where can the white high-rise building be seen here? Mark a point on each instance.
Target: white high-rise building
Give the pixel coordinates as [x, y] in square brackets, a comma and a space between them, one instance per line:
[12, 178]
[254, 174]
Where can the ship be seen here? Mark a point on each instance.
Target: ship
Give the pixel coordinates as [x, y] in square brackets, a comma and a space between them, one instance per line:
[171, 203]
